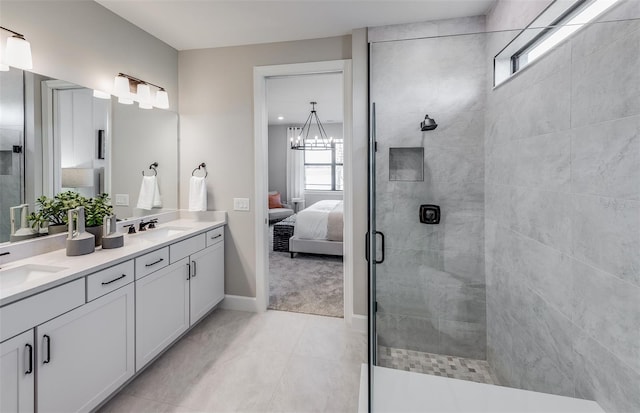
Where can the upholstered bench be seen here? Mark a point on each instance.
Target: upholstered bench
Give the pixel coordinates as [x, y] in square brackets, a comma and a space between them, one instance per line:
[282, 231]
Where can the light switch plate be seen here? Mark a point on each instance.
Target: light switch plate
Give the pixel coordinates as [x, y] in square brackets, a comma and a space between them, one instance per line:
[241, 204]
[122, 199]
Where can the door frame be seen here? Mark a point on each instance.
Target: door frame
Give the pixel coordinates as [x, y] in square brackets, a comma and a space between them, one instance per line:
[261, 154]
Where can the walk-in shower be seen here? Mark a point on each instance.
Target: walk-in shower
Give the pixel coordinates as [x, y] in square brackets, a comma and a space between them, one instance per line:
[531, 277]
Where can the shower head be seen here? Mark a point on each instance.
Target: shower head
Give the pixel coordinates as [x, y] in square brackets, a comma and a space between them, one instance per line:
[428, 124]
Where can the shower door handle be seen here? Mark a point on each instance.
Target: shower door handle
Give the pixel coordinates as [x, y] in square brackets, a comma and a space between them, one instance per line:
[382, 247]
[366, 246]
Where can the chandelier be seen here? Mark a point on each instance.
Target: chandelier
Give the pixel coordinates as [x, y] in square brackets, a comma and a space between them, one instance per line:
[308, 141]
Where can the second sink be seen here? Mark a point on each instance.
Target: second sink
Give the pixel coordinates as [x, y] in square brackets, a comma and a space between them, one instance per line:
[25, 273]
[163, 232]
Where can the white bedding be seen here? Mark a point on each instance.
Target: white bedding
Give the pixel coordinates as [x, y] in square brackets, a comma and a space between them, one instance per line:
[313, 222]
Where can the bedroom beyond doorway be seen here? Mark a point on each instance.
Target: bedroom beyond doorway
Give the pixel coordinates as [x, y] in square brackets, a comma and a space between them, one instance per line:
[305, 248]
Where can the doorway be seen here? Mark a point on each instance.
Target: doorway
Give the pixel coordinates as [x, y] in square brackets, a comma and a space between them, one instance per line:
[306, 184]
[264, 235]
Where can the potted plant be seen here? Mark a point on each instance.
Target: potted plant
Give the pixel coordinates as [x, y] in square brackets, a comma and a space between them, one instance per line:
[52, 212]
[95, 209]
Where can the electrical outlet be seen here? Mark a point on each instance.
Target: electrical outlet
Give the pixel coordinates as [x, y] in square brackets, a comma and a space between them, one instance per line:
[241, 204]
[122, 199]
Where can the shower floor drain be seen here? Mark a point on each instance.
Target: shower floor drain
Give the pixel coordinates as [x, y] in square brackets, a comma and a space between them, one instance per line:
[436, 364]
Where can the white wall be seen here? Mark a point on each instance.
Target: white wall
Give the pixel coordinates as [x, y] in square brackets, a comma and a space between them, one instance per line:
[216, 127]
[139, 138]
[86, 44]
[278, 159]
[360, 136]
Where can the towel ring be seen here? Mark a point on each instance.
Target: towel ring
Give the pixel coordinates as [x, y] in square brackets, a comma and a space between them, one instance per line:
[153, 167]
[201, 166]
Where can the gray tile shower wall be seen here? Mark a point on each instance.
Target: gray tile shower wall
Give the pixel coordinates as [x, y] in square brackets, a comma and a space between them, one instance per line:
[431, 287]
[562, 224]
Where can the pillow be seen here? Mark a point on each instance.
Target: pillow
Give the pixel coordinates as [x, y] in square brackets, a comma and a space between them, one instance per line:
[274, 200]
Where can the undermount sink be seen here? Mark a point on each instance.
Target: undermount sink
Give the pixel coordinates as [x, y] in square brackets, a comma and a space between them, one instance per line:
[163, 232]
[26, 273]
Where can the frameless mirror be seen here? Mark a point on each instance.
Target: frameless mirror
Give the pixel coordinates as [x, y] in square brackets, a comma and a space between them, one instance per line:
[56, 136]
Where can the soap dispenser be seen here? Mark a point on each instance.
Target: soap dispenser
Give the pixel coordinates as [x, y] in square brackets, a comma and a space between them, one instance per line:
[111, 238]
[24, 232]
[79, 242]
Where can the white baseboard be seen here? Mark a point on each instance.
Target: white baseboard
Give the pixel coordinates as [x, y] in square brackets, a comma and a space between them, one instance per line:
[239, 303]
[359, 322]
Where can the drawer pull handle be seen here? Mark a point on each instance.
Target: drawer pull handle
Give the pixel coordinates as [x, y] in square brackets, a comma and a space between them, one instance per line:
[30, 369]
[195, 269]
[188, 271]
[114, 280]
[217, 236]
[48, 359]
[154, 263]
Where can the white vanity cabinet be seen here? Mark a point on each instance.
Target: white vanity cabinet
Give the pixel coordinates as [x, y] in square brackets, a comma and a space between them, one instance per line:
[172, 299]
[86, 354]
[207, 280]
[17, 366]
[69, 347]
[162, 310]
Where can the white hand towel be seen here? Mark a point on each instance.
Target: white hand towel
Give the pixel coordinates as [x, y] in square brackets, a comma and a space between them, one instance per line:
[148, 190]
[157, 200]
[197, 194]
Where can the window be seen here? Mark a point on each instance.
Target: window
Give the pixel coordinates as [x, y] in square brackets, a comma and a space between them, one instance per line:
[559, 21]
[323, 170]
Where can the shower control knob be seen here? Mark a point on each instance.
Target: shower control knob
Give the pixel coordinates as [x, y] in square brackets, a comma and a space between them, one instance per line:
[429, 214]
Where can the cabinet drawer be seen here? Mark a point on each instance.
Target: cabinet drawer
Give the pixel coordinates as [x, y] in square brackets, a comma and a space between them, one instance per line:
[183, 249]
[105, 281]
[215, 236]
[151, 262]
[28, 313]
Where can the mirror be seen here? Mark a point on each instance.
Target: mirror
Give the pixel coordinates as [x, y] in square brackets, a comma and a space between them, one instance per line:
[56, 136]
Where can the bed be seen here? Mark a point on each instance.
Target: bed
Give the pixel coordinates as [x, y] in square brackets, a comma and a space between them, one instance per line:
[319, 229]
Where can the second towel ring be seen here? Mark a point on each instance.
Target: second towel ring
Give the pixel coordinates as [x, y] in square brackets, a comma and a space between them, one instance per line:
[201, 166]
[153, 167]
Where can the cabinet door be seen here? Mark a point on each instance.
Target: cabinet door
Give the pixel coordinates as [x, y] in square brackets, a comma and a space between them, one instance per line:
[162, 310]
[207, 280]
[86, 354]
[17, 366]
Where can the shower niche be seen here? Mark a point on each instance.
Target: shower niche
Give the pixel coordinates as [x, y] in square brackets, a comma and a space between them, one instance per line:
[406, 164]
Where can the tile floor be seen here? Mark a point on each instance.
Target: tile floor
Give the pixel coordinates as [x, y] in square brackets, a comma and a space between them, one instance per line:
[436, 364]
[236, 361]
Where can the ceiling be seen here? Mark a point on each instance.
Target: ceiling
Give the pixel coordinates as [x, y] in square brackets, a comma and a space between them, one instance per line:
[196, 24]
[289, 97]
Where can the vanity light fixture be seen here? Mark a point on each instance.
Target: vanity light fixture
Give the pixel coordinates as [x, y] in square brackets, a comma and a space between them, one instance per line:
[123, 84]
[18, 51]
[307, 141]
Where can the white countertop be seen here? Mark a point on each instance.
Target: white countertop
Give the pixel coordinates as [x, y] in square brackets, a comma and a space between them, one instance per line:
[80, 266]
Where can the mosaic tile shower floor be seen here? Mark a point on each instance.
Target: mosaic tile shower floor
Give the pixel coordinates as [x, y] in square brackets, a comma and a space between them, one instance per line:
[436, 364]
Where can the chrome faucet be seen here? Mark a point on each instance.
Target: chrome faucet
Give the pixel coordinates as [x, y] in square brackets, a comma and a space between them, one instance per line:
[152, 224]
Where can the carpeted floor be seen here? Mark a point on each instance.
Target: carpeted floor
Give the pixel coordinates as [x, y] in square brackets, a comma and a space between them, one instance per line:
[308, 283]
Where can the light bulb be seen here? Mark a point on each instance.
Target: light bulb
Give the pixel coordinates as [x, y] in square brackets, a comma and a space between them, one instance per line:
[100, 94]
[125, 101]
[121, 88]
[143, 94]
[162, 99]
[18, 53]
